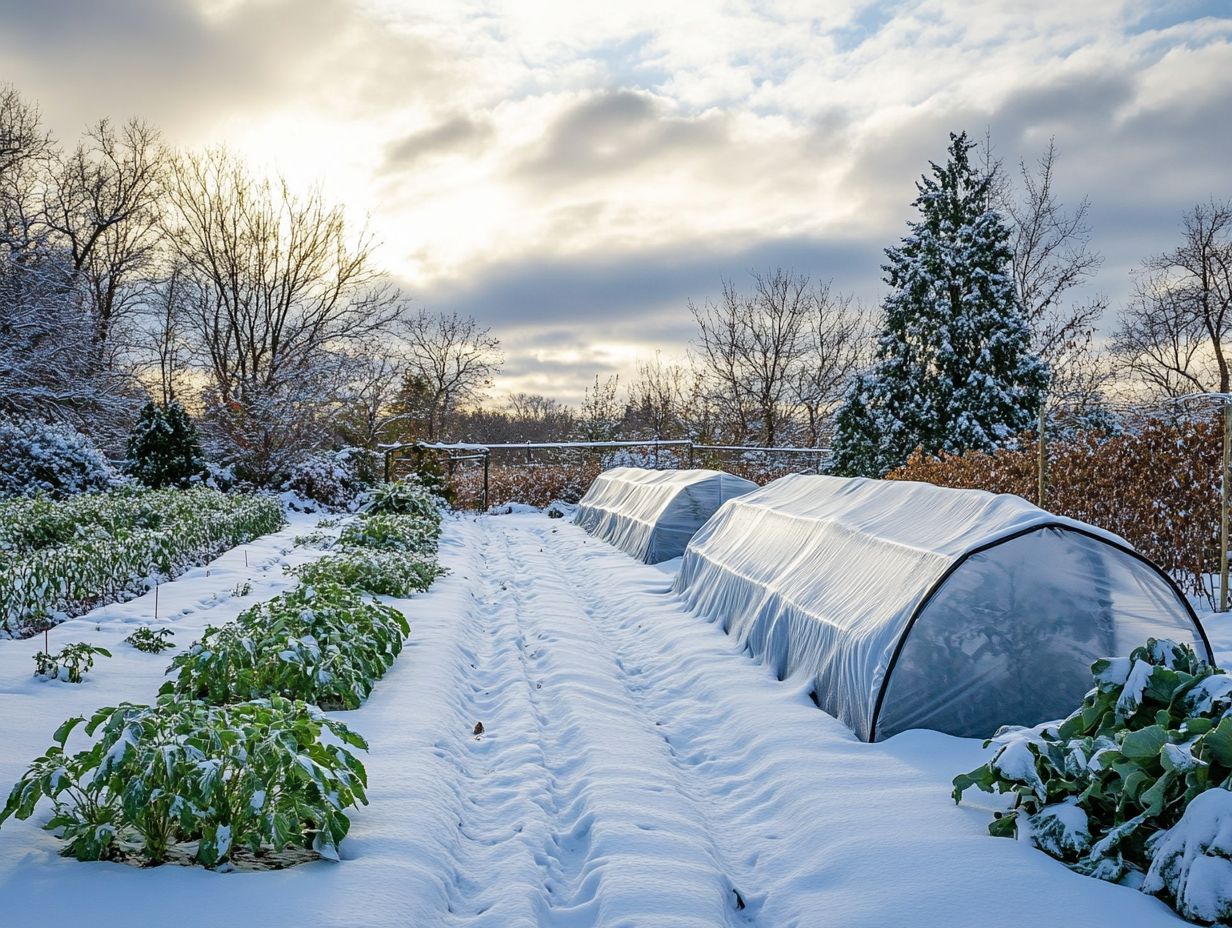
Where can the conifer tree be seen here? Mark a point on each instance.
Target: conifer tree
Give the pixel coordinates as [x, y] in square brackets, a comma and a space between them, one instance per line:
[954, 368]
[163, 448]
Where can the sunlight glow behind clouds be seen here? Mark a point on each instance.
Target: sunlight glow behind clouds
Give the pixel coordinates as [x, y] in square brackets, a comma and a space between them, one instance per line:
[525, 160]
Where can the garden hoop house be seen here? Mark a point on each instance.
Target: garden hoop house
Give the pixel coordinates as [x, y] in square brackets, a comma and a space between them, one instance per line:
[904, 605]
[652, 514]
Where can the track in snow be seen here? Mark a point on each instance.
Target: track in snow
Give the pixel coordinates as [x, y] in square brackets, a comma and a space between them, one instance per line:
[636, 768]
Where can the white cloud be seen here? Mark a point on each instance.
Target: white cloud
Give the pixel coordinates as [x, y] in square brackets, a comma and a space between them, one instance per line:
[541, 135]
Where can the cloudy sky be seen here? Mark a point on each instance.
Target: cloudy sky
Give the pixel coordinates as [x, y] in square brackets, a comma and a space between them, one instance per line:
[574, 173]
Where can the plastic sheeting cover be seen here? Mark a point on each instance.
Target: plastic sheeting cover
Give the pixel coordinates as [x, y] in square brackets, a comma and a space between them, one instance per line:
[652, 514]
[823, 576]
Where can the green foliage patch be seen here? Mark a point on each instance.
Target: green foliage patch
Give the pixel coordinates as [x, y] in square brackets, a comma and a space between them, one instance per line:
[71, 664]
[1109, 788]
[63, 558]
[382, 573]
[325, 644]
[151, 640]
[255, 776]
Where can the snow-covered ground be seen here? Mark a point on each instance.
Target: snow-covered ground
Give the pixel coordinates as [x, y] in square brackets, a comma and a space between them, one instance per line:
[634, 768]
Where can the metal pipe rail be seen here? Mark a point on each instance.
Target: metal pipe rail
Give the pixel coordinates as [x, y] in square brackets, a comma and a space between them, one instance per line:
[483, 452]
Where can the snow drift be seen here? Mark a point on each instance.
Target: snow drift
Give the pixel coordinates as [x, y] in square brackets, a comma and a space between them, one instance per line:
[915, 606]
[652, 514]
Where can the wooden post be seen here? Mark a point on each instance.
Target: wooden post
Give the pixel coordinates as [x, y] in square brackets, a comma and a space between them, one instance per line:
[690, 452]
[487, 457]
[1223, 506]
[388, 463]
[1043, 460]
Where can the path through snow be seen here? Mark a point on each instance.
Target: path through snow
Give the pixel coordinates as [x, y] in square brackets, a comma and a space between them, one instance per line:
[634, 768]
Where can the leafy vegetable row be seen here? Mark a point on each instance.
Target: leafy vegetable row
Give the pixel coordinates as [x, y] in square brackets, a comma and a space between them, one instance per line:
[65, 557]
[235, 753]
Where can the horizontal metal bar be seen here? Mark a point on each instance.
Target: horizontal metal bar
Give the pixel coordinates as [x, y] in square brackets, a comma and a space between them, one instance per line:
[757, 447]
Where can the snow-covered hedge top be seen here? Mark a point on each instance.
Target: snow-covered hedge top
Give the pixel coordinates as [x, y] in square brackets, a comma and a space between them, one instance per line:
[54, 460]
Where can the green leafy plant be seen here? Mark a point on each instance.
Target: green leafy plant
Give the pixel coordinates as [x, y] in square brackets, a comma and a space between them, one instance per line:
[66, 557]
[408, 533]
[407, 497]
[324, 644]
[382, 573]
[1108, 787]
[315, 539]
[151, 640]
[256, 776]
[71, 664]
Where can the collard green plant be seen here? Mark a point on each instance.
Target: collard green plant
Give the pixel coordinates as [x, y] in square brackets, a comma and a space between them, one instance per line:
[1107, 789]
[151, 640]
[407, 533]
[382, 573]
[324, 644]
[407, 497]
[256, 775]
[71, 664]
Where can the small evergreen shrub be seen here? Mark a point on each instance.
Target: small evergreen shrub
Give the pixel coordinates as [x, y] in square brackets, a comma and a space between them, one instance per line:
[163, 448]
[37, 458]
[1122, 788]
[255, 777]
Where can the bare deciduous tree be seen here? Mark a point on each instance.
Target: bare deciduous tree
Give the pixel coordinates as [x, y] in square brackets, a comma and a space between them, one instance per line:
[455, 357]
[838, 346]
[601, 413]
[278, 291]
[1173, 336]
[768, 352]
[103, 204]
[47, 352]
[658, 395]
[1053, 263]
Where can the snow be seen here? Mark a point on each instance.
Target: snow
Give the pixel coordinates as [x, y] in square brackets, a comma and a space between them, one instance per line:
[1191, 859]
[635, 767]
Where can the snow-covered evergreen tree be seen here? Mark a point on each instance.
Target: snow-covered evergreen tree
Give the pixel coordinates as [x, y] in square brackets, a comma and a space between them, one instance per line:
[163, 448]
[954, 370]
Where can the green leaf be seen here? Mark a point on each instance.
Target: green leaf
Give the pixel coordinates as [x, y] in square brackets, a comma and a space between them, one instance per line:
[1145, 743]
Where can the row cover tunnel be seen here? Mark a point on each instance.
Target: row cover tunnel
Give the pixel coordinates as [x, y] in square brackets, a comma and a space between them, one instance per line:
[904, 605]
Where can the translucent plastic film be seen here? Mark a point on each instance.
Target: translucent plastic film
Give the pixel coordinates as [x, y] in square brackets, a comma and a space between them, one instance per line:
[821, 577]
[652, 514]
[1010, 637]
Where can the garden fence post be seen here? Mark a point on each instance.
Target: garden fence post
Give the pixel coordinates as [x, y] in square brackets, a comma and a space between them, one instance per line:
[487, 457]
[388, 463]
[1223, 505]
[1043, 459]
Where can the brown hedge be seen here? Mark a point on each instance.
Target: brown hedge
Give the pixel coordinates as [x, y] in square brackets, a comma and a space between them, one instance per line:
[1157, 487]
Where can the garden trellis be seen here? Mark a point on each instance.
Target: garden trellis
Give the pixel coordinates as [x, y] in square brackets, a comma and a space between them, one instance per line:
[906, 605]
